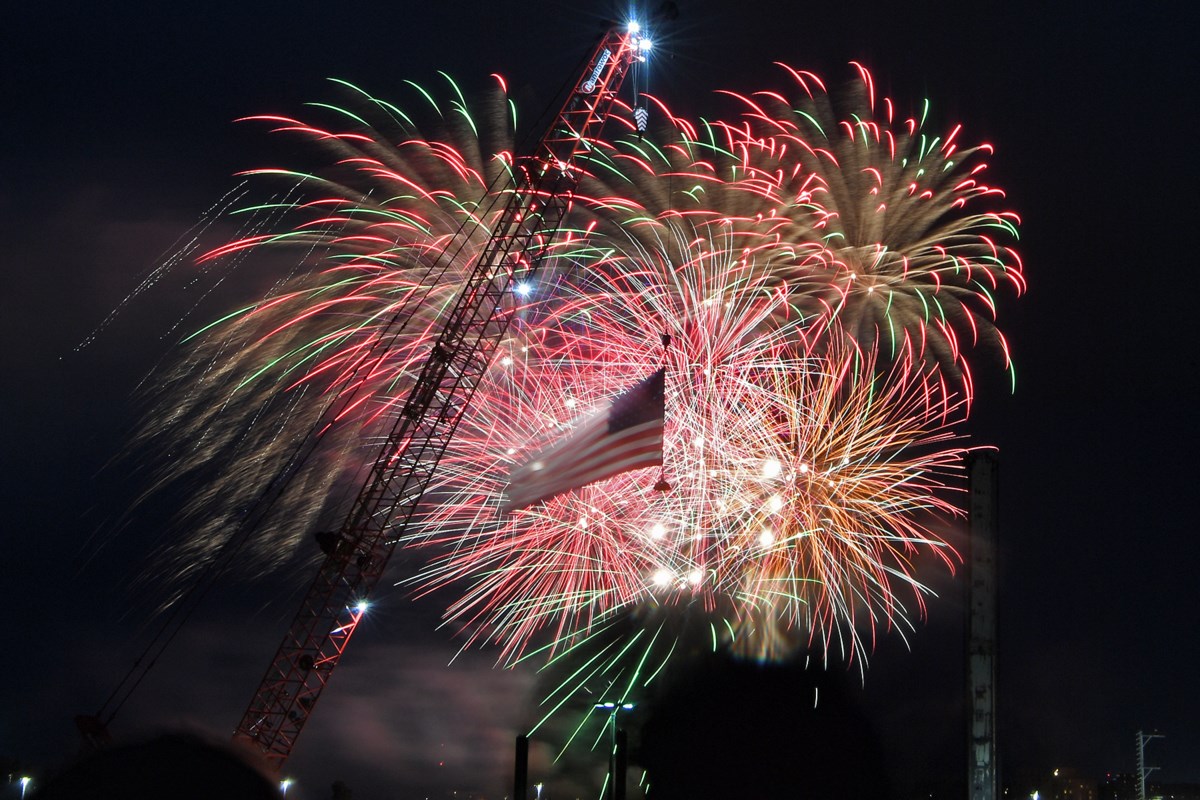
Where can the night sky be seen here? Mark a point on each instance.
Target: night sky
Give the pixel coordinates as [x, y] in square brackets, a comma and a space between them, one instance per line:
[118, 134]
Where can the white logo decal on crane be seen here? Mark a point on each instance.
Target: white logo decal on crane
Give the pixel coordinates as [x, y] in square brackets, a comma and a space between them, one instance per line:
[590, 83]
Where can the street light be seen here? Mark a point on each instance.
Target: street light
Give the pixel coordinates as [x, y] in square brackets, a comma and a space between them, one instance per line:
[613, 709]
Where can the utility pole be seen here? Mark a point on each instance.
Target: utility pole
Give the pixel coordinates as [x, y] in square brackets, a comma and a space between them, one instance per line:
[1142, 769]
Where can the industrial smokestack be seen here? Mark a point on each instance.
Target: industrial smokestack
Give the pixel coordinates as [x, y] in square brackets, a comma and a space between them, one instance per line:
[983, 527]
[521, 769]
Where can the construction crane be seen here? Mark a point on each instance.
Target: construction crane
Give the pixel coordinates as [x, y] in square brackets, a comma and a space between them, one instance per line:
[357, 554]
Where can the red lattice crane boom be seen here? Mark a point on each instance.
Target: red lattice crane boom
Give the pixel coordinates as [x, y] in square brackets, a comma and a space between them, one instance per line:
[356, 557]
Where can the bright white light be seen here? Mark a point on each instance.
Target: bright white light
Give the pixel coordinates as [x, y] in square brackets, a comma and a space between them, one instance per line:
[512, 451]
[523, 289]
[662, 577]
[634, 26]
[695, 577]
[804, 467]
[506, 361]
[767, 537]
[772, 468]
[361, 607]
[645, 44]
[658, 530]
[775, 504]
[571, 402]
[283, 786]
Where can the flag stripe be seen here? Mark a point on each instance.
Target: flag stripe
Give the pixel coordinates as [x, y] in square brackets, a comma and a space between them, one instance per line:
[633, 455]
[628, 437]
[643, 449]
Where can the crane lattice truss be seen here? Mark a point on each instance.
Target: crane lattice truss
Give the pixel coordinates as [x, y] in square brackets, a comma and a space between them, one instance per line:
[542, 190]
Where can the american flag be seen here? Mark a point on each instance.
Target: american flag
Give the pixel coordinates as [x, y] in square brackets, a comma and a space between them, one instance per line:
[628, 437]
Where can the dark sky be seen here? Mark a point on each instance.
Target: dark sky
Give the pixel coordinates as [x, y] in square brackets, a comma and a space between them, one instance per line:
[118, 133]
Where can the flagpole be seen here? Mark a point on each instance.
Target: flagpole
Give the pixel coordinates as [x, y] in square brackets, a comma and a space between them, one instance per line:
[663, 485]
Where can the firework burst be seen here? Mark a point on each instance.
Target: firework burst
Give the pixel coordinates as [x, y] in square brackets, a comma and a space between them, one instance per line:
[280, 394]
[904, 249]
[802, 482]
[812, 275]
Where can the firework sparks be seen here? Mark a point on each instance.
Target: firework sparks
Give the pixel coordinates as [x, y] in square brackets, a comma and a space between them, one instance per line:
[780, 254]
[911, 256]
[285, 390]
[801, 481]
